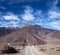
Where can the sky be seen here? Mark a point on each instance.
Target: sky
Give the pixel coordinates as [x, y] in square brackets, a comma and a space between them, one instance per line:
[41, 12]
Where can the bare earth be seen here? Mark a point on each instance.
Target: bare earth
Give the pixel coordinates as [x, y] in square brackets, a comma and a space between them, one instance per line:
[31, 50]
[39, 50]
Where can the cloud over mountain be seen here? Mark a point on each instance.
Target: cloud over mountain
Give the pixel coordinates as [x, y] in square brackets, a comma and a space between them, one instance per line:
[18, 12]
[10, 16]
[28, 14]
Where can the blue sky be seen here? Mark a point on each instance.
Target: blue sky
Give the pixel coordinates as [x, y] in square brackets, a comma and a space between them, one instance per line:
[42, 12]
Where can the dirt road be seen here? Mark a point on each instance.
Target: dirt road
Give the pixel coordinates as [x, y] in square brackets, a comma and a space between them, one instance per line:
[31, 50]
[28, 50]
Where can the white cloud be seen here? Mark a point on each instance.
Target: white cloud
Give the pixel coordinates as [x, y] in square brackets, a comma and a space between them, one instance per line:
[54, 14]
[10, 20]
[10, 23]
[55, 24]
[55, 2]
[28, 14]
[10, 16]
[13, 23]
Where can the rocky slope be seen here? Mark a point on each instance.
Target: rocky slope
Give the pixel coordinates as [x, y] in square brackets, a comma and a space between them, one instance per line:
[32, 34]
[7, 30]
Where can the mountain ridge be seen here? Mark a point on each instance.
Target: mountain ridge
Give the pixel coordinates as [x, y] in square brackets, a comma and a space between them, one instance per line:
[32, 34]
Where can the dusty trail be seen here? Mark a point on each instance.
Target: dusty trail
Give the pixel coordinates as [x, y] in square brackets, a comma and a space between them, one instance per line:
[31, 50]
[28, 50]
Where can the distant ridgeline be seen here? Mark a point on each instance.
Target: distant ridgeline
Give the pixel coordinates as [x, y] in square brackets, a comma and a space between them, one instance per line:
[29, 34]
[7, 30]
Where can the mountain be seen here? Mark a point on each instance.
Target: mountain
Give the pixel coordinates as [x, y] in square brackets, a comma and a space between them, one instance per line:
[7, 30]
[32, 34]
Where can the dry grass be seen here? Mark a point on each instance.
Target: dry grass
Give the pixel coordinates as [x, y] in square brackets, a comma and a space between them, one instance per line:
[49, 49]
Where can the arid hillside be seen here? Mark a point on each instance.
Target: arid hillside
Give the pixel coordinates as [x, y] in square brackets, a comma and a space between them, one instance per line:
[32, 34]
[7, 30]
